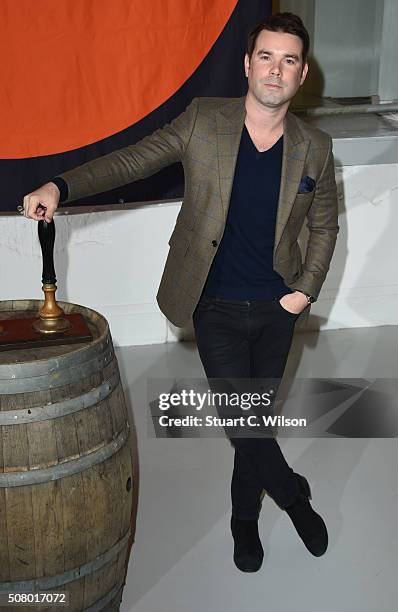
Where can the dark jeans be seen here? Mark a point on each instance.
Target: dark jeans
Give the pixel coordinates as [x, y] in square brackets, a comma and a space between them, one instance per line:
[249, 339]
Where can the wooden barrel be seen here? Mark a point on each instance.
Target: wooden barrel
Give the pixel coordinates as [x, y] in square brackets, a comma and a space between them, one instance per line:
[67, 476]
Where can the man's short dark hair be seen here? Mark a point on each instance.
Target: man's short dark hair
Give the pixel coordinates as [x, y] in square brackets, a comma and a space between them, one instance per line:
[281, 22]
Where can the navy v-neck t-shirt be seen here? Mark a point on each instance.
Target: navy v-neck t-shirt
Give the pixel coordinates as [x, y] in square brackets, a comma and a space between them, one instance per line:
[242, 266]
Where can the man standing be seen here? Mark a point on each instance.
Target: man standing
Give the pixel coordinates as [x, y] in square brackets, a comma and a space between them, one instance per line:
[253, 174]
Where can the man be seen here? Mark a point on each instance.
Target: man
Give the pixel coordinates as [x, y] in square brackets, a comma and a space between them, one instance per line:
[253, 173]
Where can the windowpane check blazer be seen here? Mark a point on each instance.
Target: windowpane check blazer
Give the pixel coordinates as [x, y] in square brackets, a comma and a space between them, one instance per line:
[205, 138]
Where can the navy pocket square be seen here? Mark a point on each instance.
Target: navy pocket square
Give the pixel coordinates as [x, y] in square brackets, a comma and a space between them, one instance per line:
[307, 185]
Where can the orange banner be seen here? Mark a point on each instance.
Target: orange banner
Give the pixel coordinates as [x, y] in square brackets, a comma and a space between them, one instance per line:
[76, 71]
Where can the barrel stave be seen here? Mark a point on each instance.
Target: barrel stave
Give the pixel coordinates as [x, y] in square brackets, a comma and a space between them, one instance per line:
[68, 528]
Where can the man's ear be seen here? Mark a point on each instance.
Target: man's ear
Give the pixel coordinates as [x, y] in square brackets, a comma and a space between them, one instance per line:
[304, 73]
[247, 64]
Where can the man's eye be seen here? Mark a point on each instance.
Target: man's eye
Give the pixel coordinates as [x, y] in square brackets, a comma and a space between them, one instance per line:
[290, 61]
[265, 57]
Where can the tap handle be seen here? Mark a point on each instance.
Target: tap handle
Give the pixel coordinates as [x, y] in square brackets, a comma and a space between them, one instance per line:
[47, 240]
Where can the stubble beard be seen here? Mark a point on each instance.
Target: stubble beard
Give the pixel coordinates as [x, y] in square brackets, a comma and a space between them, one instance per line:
[270, 99]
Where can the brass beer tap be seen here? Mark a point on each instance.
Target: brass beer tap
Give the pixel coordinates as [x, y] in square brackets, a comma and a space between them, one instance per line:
[52, 319]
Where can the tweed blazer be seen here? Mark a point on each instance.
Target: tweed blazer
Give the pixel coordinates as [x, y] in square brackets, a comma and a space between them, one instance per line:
[205, 138]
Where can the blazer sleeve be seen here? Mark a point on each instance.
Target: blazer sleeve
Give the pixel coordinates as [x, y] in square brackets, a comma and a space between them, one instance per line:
[162, 148]
[322, 223]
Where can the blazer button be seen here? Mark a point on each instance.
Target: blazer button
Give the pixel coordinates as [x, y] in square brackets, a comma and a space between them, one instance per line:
[214, 243]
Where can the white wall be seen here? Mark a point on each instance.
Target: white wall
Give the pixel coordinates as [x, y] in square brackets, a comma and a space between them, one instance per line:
[112, 261]
[388, 84]
[345, 46]
[353, 46]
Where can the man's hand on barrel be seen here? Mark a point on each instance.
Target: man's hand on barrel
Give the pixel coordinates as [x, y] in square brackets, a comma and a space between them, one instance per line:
[41, 203]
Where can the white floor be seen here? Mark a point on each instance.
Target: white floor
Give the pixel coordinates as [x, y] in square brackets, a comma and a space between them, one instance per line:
[181, 560]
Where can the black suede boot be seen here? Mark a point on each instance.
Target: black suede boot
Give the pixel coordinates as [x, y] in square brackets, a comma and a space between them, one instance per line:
[309, 525]
[248, 550]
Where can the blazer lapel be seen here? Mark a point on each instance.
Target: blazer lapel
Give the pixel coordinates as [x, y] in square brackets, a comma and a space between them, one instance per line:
[295, 148]
[230, 121]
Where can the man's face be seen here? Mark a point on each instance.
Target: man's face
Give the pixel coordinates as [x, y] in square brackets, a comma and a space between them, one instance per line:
[275, 70]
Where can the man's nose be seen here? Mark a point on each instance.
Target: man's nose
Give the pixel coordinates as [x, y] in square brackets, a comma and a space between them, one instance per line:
[275, 69]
